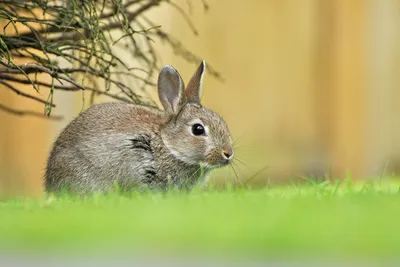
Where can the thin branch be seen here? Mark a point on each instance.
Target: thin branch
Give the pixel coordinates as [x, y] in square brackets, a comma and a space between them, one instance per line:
[18, 92]
[63, 87]
[31, 68]
[132, 16]
[28, 113]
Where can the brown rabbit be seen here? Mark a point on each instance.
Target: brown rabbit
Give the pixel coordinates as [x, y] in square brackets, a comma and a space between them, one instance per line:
[137, 146]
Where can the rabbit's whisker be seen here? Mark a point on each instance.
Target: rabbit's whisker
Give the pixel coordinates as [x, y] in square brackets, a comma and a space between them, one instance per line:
[238, 169]
[238, 138]
[241, 148]
[239, 160]
[236, 160]
[236, 175]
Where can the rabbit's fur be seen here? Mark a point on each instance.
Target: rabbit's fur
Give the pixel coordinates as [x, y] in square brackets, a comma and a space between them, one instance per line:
[137, 146]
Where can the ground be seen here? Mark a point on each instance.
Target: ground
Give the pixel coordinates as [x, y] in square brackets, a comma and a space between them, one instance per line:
[314, 220]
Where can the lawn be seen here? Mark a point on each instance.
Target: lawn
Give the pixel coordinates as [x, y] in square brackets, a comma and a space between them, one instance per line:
[316, 219]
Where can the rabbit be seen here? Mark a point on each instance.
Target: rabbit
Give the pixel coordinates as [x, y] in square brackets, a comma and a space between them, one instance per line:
[137, 146]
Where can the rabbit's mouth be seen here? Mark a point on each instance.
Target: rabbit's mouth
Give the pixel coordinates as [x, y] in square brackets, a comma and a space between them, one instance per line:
[218, 158]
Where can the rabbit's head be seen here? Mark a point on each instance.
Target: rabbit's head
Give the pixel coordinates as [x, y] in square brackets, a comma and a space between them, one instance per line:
[194, 134]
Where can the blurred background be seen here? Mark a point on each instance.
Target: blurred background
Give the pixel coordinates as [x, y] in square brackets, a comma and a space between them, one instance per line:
[310, 89]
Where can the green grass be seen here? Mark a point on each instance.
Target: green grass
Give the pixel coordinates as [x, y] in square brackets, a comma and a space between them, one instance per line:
[327, 219]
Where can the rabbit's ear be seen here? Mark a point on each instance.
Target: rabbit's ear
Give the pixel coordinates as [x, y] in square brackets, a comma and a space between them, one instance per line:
[170, 89]
[195, 85]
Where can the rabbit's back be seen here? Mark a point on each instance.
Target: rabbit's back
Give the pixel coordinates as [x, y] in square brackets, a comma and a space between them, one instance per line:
[107, 143]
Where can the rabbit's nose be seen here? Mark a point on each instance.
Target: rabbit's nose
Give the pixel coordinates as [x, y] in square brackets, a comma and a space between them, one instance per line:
[227, 153]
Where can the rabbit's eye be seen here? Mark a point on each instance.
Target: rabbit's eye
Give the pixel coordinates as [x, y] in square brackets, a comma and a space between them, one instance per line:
[198, 129]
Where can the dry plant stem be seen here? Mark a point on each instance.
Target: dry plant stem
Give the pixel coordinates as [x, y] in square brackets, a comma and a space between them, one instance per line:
[28, 113]
[84, 35]
[40, 69]
[18, 92]
[63, 87]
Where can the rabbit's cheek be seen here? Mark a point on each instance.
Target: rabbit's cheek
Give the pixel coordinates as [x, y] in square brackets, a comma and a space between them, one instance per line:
[196, 149]
[213, 158]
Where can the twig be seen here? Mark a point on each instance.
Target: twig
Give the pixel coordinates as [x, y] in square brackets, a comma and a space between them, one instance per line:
[28, 113]
[31, 68]
[18, 92]
[64, 87]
